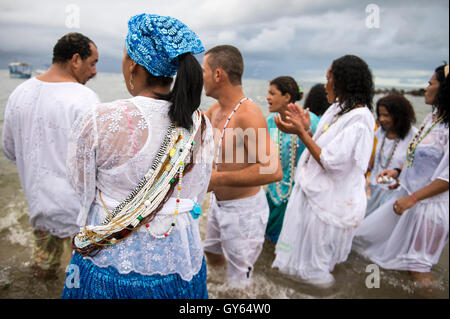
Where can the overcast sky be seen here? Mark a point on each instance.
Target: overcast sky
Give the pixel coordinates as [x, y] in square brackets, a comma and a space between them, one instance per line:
[402, 41]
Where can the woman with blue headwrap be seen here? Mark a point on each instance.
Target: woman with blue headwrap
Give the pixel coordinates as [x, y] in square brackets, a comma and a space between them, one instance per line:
[141, 166]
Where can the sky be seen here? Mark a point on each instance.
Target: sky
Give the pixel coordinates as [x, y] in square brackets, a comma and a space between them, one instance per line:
[402, 41]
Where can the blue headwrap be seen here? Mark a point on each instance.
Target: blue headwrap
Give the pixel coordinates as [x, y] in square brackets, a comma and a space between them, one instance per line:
[155, 42]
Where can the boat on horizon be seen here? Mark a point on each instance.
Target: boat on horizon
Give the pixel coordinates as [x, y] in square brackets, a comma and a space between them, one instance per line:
[20, 70]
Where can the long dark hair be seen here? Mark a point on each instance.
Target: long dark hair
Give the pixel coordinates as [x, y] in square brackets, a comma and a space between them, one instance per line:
[401, 111]
[353, 82]
[316, 100]
[441, 101]
[186, 92]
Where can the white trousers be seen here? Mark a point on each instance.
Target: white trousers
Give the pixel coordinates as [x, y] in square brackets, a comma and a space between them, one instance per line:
[236, 230]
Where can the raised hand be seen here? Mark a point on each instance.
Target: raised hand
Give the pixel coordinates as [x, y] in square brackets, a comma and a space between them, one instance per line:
[285, 126]
[295, 111]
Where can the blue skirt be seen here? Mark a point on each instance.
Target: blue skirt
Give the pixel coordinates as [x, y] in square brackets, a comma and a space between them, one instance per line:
[85, 280]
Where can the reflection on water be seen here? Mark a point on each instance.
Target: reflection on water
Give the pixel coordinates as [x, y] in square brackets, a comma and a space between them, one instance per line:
[16, 241]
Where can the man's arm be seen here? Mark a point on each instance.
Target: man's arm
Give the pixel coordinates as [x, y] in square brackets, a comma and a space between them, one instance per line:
[8, 145]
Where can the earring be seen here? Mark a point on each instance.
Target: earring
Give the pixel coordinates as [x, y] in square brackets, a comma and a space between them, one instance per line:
[131, 82]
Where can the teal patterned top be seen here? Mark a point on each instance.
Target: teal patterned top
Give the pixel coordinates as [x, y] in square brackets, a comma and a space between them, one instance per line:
[280, 194]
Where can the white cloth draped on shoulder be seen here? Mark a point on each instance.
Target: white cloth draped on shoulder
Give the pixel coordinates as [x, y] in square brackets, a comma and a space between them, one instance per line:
[112, 148]
[328, 201]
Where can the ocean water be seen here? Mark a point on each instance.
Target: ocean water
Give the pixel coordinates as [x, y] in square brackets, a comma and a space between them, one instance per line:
[16, 240]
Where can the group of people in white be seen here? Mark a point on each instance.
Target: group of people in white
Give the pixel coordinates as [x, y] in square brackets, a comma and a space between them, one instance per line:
[125, 180]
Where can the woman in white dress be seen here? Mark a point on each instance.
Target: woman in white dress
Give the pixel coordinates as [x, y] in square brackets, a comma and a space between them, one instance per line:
[395, 115]
[328, 201]
[410, 230]
[142, 167]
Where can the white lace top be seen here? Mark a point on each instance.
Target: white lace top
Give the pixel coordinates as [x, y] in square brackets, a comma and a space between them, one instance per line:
[111, 148]
[430, 162]
[38, 119]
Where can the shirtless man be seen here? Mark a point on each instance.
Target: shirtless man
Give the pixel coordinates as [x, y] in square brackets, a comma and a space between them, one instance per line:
[246, 158]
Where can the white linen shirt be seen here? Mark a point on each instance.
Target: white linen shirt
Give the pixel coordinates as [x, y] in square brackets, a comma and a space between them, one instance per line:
[37, 123]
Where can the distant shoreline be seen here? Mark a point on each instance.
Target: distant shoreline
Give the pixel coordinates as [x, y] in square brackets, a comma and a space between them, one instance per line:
[418, 92]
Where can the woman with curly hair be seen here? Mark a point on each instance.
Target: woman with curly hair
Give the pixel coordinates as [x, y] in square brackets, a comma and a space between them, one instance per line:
[411, 229]
[328, 201]
[282, 91]
[395, 116]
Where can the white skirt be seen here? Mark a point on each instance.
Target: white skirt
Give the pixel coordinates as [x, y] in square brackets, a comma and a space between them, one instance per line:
[413, 241]
[378, 196]
[309, 248]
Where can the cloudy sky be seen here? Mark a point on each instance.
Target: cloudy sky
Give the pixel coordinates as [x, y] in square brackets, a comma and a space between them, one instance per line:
[402, 41]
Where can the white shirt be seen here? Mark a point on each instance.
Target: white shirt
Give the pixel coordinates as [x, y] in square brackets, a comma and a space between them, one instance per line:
[398, 158]
[37, 123]
[430, 161]
[112, 147]
[336, 190]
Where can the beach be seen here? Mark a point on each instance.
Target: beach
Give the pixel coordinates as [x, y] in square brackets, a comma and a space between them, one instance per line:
[16, 240]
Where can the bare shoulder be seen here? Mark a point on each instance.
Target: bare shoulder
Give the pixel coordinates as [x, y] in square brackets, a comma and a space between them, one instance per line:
[212, 109]
[250, 115]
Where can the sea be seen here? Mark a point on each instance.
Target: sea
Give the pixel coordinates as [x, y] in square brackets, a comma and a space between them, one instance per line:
[354, 277]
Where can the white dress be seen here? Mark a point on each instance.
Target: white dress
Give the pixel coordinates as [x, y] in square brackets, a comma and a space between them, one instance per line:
[415, 240]
[38, 119]
[329, 202]
[112, 148]
[379, 192]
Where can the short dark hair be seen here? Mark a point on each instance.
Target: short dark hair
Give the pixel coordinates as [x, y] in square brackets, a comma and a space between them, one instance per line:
[287, 84]
[441, 101]
[70, 44]
[353, 82]
[401, 111]
[229, 58]
[316, 100]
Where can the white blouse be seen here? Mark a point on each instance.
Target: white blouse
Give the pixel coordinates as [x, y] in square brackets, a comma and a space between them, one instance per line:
[430, 161]
[37, 123]
[112, 147]
[398, 158]
[336, 190]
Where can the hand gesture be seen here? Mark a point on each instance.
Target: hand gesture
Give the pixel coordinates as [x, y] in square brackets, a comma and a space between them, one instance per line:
[389, 173]
[285, 126]
[296, 113]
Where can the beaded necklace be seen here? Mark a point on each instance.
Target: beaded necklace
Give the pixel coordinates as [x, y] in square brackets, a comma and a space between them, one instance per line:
[149, 195]
[292, 158]
[417, 139]
[224, 127]
[327, 126]
[381, 153]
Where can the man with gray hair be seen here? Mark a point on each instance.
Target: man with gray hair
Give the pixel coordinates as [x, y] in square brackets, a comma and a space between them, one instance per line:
[38, 117]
